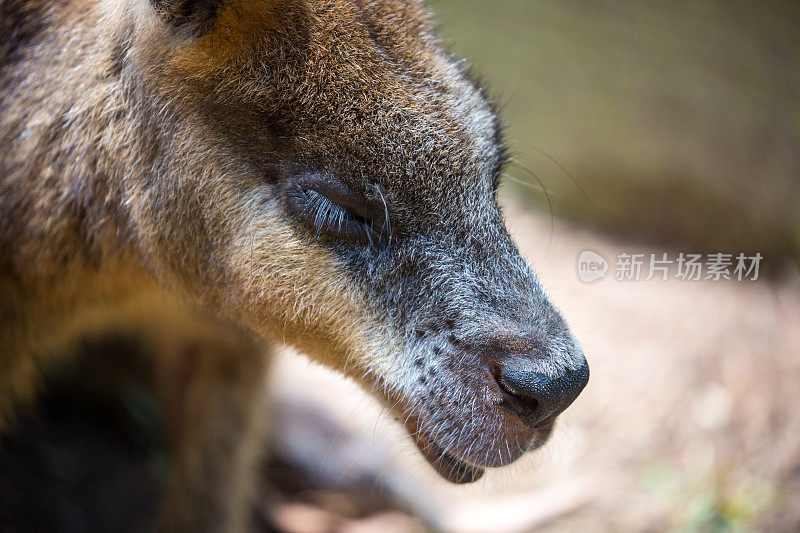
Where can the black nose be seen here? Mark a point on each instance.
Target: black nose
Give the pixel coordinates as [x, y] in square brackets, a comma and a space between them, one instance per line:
[535, 397]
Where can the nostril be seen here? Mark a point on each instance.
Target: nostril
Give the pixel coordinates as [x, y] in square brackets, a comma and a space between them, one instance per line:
[512, 385]
[513, 400]
[535, 397]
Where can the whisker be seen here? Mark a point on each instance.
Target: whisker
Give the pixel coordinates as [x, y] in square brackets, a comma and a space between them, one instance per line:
[546, 195]
[572, 178]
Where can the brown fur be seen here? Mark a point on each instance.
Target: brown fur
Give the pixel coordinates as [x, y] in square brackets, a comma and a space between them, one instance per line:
[144, 148]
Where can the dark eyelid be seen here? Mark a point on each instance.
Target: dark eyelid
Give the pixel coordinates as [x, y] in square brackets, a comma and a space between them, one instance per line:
[326, 186]
[337, 192]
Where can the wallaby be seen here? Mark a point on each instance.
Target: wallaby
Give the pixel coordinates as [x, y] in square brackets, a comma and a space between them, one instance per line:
[221, 176]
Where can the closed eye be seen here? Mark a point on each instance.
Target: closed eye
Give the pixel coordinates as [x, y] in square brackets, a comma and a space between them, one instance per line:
[329, 210]
[326, 216]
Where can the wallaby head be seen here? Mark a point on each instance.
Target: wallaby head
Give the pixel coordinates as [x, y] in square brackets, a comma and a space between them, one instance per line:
[324, 172]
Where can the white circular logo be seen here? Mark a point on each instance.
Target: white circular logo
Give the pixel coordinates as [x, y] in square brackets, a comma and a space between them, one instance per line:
[591, 266]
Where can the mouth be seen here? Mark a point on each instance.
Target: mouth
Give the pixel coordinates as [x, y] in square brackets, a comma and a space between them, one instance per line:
[449, 463]
[461, 444]
[446, 464]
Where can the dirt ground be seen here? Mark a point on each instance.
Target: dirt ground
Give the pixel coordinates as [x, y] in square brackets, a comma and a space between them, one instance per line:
[689, 421]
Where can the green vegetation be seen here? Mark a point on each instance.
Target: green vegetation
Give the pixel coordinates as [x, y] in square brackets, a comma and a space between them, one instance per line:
[679, 120]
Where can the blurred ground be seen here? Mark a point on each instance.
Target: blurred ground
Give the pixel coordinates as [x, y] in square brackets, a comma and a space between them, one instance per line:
[689, 421]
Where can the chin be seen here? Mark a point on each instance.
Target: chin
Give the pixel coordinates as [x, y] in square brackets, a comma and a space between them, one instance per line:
[461, 439]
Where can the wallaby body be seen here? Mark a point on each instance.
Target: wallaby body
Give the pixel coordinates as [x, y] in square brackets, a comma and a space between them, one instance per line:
[220, 175]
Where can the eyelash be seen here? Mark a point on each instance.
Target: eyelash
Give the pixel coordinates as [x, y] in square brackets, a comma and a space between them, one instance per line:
[324, 214]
